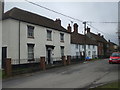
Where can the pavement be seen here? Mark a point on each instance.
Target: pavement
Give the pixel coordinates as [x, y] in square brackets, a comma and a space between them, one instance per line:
[86, 75]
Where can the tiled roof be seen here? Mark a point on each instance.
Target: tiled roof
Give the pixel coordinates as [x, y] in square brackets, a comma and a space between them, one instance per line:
[25, 16]
[77, 38]
[98, 38]
[112, 43]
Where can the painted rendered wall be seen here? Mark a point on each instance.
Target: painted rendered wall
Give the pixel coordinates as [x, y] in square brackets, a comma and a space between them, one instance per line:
[81, 49]
[11, 40]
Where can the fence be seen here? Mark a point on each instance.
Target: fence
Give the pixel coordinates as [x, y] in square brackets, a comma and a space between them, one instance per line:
[25, 65]
[16, 66]
[103, 56]
[77, 59]
[55, 62]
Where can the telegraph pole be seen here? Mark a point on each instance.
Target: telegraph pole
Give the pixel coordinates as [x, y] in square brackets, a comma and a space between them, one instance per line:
[85, 38]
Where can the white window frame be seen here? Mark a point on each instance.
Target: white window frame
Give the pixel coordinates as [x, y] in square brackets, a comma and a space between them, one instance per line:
[49, 35]
[76, 46]
[89, 53]
[62, 51]
[88, 46]
[30, 31]
[30, 51]
[61, 36]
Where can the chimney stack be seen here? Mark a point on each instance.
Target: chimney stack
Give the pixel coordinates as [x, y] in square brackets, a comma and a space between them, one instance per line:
[58, 21]
[102, 36]
[69, 28]
[88, 30]
[98, 34]
[75, 28]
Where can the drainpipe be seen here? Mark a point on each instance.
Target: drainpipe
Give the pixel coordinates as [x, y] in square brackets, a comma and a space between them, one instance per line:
[19, 43]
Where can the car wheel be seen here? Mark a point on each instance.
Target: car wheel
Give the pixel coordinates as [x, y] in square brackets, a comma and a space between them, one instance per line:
[110, 62]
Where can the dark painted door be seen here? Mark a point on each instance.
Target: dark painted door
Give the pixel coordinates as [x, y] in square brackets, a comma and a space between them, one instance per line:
[4, 56]
[49, 56]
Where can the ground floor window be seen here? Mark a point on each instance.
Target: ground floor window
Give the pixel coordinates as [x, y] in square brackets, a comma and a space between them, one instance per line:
[94, 52]
[77, 53]
[30, 51]
[89, 53]
[62, 51]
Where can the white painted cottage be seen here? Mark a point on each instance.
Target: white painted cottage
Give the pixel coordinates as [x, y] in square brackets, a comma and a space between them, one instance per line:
[29, 36]
[79, 42]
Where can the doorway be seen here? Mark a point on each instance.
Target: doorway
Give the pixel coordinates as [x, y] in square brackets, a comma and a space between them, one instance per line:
[4, 56]
[49, 56]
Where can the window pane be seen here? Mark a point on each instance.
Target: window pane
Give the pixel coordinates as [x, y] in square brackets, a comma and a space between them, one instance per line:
[30, 51]
[62, 51]
[61, 36]
[49, 35]
[30, 31]
[76, 46]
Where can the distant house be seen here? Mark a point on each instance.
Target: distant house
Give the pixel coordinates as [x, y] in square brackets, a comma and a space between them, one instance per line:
[80, 43]
[111, 47]
[101, 42]
[28, 36]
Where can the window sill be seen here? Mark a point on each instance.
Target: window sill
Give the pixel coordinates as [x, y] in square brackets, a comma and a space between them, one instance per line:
[31, 37]
[62, 41]
[49, 40]
[30, 60]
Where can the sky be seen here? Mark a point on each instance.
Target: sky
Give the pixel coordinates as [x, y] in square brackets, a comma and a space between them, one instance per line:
[92, 11]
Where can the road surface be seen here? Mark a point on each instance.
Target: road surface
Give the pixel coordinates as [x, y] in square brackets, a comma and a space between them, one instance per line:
[84, 75]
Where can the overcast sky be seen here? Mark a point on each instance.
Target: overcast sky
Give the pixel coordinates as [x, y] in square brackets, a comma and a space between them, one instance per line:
[93, 12]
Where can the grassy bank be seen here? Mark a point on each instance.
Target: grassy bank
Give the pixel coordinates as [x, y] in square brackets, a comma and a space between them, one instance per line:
[113, 85]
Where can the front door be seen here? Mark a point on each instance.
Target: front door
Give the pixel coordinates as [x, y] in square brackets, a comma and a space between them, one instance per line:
[49, 56]
[4, 56]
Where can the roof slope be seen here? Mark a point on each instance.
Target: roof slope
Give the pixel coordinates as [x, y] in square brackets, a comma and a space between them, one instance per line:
[77, 38]
[98, 38]
[25, 16]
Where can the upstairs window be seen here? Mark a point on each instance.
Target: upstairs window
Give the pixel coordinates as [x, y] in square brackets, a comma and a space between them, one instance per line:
[76, 46]
[49, 35]
[62, 37]
[88, 46]
[30, 31]
[83, 46]
[89, 53]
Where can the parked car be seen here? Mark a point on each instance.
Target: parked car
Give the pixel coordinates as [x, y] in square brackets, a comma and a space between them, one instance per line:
[115, 57]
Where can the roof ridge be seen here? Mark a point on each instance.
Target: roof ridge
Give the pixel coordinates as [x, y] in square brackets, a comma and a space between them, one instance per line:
[33, 18]
[16, 8]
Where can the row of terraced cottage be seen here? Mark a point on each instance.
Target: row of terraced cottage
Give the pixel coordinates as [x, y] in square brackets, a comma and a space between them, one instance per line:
[29, 36]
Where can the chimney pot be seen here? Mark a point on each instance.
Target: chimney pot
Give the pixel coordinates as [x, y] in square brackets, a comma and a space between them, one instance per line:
[58, 21]
[99, 34]
[103, 36]
[69, 28]
[75, 28]
[88, 29]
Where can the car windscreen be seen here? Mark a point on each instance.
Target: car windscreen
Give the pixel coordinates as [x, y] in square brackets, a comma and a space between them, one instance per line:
[115, 55]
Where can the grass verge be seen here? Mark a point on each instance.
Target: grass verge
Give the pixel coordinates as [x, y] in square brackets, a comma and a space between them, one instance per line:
[113, 85]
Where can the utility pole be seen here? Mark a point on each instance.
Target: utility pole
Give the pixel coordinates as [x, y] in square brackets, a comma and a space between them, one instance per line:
[85, 38]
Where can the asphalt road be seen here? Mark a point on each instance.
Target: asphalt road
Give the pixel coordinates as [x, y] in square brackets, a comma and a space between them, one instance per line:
[85, 75]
